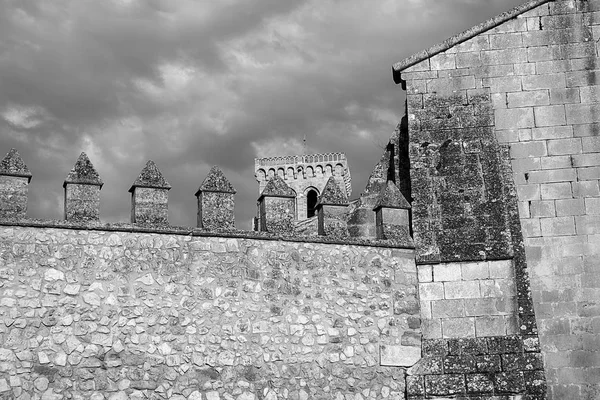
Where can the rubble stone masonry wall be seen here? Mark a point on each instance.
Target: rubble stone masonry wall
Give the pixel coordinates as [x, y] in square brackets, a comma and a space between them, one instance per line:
[100, 314]
[534, 81]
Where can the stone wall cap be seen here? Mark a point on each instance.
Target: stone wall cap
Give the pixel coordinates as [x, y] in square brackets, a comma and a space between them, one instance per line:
[83, 172]
[491, 23]
[216, 181]
[13, 165]
[150, 177]
[332, 194]
[391, 197]
[276, 187]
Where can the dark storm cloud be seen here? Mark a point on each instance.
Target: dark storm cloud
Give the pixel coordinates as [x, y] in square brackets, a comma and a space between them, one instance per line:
[191, 84]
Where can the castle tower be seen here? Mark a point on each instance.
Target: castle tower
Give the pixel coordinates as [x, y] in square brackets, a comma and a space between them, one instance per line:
[307, 175]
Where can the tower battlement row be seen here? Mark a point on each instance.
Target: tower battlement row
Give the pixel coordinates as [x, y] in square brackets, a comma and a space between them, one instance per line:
[306, 175]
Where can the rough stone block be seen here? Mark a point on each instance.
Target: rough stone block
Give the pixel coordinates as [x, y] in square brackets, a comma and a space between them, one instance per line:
[479, 383]
[501, 269]
[431, 328]
[564, 96]
[506, 40]
[570, 207]
[277, 214]
[581, 113]
[528, 149]
[425, 273]
[490, 326]
[474, 270]
[332, 221]
[560, 190]
[431, 291]
[461, 290]
[556, 162]
[503, 84]
[443, 61]
[549, 115]
[514, 118]
[444, 385]
[399, 356]
[446, 272]
[494, 57]
[585, 188]
[458, 327]
[82, 202]
[527, 99]
[549, 81]
[448, 308]
[542, 208]
[13, 196]
[564, 146]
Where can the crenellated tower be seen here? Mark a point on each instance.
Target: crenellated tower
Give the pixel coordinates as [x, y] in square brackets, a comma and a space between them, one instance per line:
[307, 175]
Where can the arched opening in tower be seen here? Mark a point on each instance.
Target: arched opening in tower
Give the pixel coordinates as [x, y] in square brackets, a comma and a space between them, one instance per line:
[311, 203]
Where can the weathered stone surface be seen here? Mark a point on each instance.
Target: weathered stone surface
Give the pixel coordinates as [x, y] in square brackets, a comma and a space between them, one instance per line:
[332, 220]
[14, 181]
[391, 197]
[150, 177]
[130, 315]
[12, 165]
[332, 194]
[216, 181]
[276, 187]
[400, 356]
[83, 172]
[82, 191]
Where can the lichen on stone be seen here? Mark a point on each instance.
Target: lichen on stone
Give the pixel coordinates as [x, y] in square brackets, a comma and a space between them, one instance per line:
[391, 197]
[332, 194]
[83, 172]
[13, 165]
[276, 187]
[150, 177]
[216, 181]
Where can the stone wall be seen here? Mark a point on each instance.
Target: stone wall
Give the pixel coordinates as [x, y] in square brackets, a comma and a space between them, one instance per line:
[527, 80]
[93, 314]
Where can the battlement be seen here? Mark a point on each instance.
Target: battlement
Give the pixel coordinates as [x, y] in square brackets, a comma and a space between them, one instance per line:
[149, 204]
[307, 175]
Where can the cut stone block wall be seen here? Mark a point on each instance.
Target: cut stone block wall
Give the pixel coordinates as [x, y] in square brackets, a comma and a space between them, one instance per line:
[467, 300]
[92, 313]
[536, 78]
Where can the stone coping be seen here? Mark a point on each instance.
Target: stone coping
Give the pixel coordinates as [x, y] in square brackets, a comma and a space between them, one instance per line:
[188, 231]
[398, 67]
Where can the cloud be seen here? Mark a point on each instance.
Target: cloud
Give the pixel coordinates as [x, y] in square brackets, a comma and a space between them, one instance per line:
[192, 84]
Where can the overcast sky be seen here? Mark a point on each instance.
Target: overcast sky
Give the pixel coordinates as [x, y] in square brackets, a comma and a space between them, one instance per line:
[190, 84]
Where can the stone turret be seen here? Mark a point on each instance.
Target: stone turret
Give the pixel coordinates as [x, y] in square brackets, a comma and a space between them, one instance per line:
[82, 191]
[392, 219]
[14, 183]
[150, 197]
[216, 201]
[331, 211]
[277, 207]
